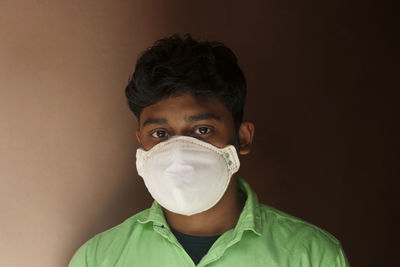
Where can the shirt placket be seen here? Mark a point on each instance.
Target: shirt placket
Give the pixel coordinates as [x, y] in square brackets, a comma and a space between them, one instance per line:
[165, 232]
[215, 253]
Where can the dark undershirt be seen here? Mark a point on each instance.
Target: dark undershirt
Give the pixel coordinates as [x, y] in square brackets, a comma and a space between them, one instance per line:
[195, 246]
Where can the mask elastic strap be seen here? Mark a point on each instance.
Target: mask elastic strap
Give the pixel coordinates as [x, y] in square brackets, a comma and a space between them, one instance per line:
[236, 134]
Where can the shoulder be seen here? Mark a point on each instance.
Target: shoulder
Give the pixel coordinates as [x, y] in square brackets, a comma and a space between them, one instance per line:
[121, 231]
[296, 237]
[287, 223]
[113, 239]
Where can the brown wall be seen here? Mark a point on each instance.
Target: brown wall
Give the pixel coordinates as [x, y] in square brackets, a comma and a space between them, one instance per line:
[320, 79]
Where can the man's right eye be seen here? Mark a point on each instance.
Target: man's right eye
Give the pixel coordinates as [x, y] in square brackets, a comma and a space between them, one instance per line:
[159, 134]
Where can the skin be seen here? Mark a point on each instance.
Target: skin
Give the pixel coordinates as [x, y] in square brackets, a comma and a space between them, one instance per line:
[210, 121]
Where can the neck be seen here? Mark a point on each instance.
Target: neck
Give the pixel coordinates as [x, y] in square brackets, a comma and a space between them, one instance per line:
[215, 221]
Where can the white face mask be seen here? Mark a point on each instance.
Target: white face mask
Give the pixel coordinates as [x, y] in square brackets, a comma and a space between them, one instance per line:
[186, 175]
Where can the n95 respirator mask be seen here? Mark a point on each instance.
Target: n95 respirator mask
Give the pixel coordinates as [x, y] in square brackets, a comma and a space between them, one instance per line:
[186, 175]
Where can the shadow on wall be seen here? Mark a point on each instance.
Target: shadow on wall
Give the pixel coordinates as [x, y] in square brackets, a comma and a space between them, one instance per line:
[130, 197]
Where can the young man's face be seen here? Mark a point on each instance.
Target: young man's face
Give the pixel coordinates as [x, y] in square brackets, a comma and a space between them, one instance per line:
[209, 121]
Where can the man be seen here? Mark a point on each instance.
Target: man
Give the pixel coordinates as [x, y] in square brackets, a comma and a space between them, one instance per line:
[188, 97]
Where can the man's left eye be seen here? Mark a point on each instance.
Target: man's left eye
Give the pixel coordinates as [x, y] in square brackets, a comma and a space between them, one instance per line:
[202, 130]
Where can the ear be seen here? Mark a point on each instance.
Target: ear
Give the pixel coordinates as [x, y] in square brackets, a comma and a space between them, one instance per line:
[138, 136]
[245, 138]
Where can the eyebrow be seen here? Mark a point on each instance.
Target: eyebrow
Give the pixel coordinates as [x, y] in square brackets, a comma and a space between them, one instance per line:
[153, 120]
[193, 118]
[202, 117]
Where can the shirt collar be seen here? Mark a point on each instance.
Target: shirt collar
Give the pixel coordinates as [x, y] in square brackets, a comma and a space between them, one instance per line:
[155, 214]
[250, 218]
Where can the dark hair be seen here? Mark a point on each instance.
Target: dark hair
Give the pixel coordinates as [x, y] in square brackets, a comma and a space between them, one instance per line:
[175, 65]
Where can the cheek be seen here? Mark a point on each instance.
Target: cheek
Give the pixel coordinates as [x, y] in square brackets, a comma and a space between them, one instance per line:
[147, 145]
[144, 141]
[222, 140]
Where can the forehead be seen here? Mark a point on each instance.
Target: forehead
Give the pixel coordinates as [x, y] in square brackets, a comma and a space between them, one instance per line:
[178, 108]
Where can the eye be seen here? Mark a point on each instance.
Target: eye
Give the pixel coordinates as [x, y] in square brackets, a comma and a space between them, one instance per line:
[159, 134]
[203, 130]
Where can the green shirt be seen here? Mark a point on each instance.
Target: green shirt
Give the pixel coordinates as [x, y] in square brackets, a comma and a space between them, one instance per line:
[263, 236]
